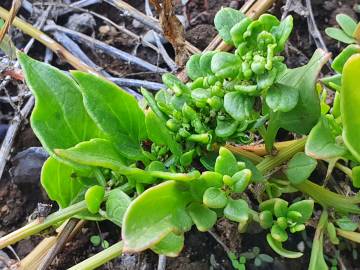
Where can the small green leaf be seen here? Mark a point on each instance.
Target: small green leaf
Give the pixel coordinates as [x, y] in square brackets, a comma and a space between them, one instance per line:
[266, 219]
[207, 179]
[224, 20]
[278, 248]
[346, 224]
[116, 112]
[205, 62]
[321, 142]
[154, 214]
[282, 97]
[203, 217]
[280, 208]
[214, 198]
[242, 180]
[304, 207]
[331, 231]
[339, 35]
[282, 32]
[346, 23]
[170, 246]
[300, 167]
[343, 57]
[193, 69]
[225, 65]
[95, 240]
[238, 105]
[94, 197]
[116, 205]
[158, 133]
[226, 163]
[225, 128]
[237, 210]
[350, 105]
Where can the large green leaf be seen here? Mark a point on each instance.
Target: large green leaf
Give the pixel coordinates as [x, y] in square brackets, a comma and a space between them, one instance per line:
[238, 105]
[60, 183]
[157, 212]
[96, 152]
[300, 167]
[350, 105]
[59, 118]
[321, 142]
[159, 133]
[116, 112]
[306, 113]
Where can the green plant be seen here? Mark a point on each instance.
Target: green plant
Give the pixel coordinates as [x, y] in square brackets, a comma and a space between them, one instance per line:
[349, 30]
[157, 169]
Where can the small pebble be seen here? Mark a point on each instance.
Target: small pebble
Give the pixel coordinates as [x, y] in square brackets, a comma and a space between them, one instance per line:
[234, 4]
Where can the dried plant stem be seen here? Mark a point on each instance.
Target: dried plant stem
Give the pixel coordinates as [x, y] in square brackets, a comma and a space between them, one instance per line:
[148, 21]
[114, 52]
[60, 242]
[48, 42]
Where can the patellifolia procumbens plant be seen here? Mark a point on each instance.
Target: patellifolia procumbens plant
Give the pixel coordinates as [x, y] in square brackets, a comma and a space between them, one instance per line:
[157, 168]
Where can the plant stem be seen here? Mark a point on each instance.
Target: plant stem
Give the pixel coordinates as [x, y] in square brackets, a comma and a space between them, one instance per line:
[100, 258]
[344, 169]
[38, 225]
[271, 162]
[353, 236]
[330, 199]
[244, 153]
[317, 254]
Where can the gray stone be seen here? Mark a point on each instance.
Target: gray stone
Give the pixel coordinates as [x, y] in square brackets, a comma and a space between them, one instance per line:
[83, 23]
[27, 165]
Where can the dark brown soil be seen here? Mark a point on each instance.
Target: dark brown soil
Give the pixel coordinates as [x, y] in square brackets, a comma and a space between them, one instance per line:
[201, 251]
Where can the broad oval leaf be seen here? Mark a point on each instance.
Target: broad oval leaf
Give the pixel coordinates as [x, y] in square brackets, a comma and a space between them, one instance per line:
[282, 97]
[154, 214]
[237, 210]
[58, 179]
[116, 112]
[224, 20]
[170, 246]
[343, 57]
[300, 167]
[225, 65]
[304, 207]
[59, 118]
[193, 69]
[238, 105]
[350, 105]
[203, 218]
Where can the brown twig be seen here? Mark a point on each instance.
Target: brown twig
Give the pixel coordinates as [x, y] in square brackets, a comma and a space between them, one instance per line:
[146, 20]
[16, 4]
[60, 242]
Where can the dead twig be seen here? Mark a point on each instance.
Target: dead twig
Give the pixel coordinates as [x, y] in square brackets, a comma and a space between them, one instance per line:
[152, 23]
[61, 240]
[173, 29]
[161, 262]
[171, 64]
[16, 4]
[114, 52]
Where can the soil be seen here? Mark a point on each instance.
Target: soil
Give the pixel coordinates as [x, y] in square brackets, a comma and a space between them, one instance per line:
[202, 251]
